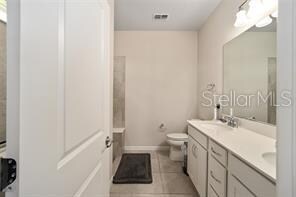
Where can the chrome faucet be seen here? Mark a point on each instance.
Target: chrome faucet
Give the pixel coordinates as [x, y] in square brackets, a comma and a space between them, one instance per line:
[231, 120]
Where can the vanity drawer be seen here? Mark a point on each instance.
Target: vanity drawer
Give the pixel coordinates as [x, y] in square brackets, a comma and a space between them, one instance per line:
[198, 136]
[218, 152]
[217, 177]
[250, 178]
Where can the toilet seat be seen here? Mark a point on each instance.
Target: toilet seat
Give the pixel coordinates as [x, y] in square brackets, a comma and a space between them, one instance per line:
[177, 137]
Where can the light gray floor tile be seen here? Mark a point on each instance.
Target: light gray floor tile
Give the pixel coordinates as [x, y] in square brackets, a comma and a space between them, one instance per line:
[154, 188]
[170, 166]
[162, 154]
[147, 195]
[120, 195]
[155, 166]
[115, 164]
[180, 195]
[177, 183]
[167, 165]
[122, 188]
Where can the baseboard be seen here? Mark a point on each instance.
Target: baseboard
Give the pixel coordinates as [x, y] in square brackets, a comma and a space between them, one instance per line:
[150, 148]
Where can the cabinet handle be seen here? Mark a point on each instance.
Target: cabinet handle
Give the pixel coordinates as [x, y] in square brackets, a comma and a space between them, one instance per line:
[217, 180]
[194, 150]
[215, 152]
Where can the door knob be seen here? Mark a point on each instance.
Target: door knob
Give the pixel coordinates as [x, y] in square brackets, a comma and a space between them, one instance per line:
[108, 142]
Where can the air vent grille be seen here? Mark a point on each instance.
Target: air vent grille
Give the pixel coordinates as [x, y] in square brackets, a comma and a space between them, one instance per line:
[160, 16]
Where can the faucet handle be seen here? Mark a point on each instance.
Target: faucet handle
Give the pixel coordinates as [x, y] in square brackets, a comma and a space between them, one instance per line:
[235, 122]
[231, 121]
[227, 118]
[231, 112]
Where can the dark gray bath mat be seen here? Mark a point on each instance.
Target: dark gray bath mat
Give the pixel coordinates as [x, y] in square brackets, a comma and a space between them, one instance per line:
[134, 168]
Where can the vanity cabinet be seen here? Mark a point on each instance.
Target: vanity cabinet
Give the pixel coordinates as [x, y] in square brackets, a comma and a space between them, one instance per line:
[254, 182]
[218, 152]
[212, 193]
[217, 177]
[217, 172]
[237, 189]
[197, 165]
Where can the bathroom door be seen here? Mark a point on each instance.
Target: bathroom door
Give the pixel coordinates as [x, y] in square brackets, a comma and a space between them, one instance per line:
[59, 97]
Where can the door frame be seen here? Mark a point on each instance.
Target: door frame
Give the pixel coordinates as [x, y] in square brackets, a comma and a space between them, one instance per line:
[286, 116]
[13, 86]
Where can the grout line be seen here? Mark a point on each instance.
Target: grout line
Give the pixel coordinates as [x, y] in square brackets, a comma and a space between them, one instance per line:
[160, 171]
[158, 160]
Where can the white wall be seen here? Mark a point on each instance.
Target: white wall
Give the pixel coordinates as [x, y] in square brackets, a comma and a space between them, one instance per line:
[161, 83]
[217, 31]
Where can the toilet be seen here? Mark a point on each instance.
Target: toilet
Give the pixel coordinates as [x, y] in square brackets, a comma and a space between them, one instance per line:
[176, 140]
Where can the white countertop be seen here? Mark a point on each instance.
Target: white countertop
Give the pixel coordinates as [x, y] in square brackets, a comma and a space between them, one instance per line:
[246, 144]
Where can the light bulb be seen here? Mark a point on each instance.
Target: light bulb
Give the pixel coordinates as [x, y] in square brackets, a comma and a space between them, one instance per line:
[241, 19]
[3, 16]
[275, 14]
[264, 22]
[270, 3]
[255, 8]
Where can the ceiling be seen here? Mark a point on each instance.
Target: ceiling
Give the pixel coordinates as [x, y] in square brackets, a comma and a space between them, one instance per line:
[183, 14]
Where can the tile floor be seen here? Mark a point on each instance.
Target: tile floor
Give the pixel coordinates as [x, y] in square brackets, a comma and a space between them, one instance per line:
[168, 180]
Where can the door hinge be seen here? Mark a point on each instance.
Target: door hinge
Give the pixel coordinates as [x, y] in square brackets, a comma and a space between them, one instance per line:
[8, 168]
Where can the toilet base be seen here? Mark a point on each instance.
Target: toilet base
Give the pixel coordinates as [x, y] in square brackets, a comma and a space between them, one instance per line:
[176, 153]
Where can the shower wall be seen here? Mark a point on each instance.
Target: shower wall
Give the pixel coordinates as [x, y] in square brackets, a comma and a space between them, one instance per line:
[2, 81]
[119, 92]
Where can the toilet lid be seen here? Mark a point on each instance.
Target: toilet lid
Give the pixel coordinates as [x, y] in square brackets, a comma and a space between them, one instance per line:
[177, 136]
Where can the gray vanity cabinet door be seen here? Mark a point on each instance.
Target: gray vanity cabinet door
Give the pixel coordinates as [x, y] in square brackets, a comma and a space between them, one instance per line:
[197, 166]
[211, 192]
[236, 189]
[192, 161]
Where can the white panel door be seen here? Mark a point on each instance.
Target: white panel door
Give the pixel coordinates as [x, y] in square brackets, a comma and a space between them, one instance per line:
[64, 67]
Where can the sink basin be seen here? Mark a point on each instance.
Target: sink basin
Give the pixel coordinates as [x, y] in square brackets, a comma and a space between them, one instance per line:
[270, 157]
[215, 126]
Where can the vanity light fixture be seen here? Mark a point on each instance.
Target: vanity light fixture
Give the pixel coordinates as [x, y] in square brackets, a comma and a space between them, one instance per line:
[264, 22]
[270, 3]
[3, 15]
[256, 9]
[241, 18]
[275, 14]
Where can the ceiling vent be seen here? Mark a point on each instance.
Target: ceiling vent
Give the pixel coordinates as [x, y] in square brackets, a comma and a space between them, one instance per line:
[160, 16]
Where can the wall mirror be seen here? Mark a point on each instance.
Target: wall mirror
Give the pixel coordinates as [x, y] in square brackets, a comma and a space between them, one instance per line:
[250, 62]
[2, 73]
